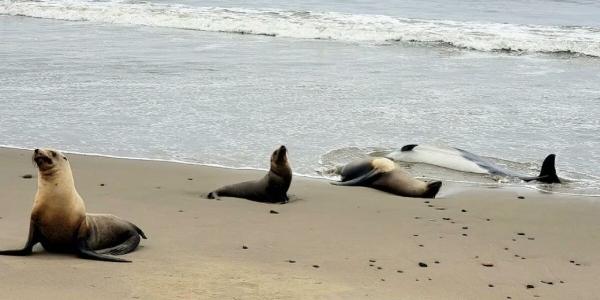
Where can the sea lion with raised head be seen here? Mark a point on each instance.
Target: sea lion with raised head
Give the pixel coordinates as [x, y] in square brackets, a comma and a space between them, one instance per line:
[384, 175]
[59, 220]
[272, 188]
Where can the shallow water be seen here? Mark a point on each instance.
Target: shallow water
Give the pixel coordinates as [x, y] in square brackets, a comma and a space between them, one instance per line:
[334, 75]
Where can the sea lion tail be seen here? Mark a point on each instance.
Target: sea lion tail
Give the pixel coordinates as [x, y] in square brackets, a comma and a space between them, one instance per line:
[548, 172]
[432, 189]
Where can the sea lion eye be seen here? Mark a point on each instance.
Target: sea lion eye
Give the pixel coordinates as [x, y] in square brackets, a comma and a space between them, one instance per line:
[64, 157]
[53, 153]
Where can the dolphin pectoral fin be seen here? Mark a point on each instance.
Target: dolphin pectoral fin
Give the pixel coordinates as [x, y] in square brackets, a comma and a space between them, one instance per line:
[84, 251]
[409, 147]
[360, 180]
[32, 239]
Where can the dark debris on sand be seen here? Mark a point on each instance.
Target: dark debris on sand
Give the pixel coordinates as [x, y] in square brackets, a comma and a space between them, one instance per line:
[27, 176]
[422, 265]
[274, 212]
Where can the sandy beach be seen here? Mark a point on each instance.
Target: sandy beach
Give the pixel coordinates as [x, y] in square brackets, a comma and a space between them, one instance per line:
[328, 243]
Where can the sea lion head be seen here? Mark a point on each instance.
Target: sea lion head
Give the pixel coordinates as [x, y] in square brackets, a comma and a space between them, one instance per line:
[49, 161]
[279, 161]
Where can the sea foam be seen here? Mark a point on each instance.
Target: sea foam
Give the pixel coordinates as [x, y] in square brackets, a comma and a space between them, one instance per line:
[354, 28]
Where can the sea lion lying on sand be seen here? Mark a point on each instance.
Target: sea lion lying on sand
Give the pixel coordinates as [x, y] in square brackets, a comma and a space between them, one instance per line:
[272, 188]
[384, 175]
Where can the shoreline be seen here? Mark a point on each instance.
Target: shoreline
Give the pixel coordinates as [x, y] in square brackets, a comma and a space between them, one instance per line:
[366, 244]
[465, 184]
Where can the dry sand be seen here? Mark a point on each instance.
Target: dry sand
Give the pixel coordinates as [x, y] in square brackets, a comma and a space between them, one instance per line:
[366, 244]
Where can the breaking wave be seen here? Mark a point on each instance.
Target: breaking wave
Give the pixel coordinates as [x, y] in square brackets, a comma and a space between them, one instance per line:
[355, 28]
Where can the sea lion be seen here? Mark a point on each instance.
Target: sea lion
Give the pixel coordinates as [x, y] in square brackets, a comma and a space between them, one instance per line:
[59, 220]
[464, 161]
[382, 174]
[272, 188]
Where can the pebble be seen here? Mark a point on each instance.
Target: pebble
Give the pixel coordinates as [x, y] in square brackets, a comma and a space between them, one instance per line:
[27, 176]
[529, 286]
[422, 265]
[102, 184]
[291, 261]
[316, 266]
[489, 265]
[521, 197]
[273, 212]
[244, 247]
[463, 210]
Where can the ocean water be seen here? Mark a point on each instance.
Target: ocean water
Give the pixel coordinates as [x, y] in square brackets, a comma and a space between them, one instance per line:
[226, 82]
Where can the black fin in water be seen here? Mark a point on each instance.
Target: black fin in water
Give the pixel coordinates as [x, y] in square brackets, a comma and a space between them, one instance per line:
[408, 147]
[548, 172]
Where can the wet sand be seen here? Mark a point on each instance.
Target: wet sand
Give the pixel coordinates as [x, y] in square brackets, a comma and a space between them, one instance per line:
[330, 242]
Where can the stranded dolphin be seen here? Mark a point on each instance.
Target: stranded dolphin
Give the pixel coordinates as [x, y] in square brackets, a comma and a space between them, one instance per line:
[461, 160]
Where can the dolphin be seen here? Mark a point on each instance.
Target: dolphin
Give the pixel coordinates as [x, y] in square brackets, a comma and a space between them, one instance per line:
[461, 160]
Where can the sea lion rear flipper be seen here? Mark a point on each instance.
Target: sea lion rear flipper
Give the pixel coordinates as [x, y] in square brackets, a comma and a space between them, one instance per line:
[85, 252]
[360, 180]
[32, 239]
[129, 245]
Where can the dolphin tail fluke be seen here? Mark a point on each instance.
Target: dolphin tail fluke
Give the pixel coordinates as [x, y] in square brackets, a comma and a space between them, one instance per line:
[548, 172]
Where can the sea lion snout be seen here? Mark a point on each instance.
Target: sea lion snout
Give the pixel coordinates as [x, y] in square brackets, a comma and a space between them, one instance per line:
[41, 159]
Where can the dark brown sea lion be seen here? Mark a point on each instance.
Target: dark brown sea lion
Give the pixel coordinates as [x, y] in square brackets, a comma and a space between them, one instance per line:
[382, 174]
[272, 188]
[59, 220]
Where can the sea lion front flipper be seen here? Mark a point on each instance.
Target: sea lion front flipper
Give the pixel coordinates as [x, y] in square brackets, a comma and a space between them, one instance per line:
[32, 239]
[360, 180]
[84, 251]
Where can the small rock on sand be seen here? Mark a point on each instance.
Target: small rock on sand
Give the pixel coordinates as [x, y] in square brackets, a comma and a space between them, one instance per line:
[316, 266]
[190, 178]
[291, 261]
[244, 247]
[27, 176]
[529, 286]
[422, 265]
[520, 233]
[274, 212]
[463, 210]
[489, 265]
[102, 184]
[521, 197]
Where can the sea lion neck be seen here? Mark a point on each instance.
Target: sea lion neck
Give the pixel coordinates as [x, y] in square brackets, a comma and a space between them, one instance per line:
[58, 175]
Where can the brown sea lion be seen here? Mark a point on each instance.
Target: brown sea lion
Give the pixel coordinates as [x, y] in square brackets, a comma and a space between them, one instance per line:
[272, 188]
[59, 220]
[382, 174]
